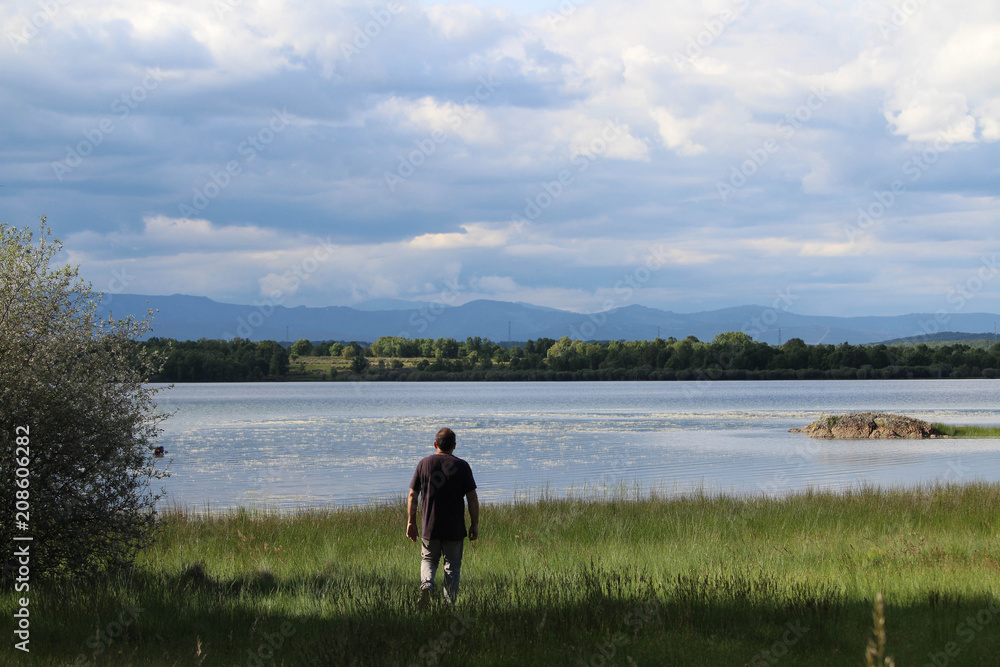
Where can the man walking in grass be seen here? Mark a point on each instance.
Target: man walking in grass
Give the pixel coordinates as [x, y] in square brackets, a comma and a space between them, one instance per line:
[442, 482]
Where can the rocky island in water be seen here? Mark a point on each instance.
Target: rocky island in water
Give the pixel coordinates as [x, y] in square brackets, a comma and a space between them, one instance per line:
[869, 426]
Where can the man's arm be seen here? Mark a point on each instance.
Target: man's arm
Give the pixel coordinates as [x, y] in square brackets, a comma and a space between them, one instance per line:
[473, 514]
[411, 512]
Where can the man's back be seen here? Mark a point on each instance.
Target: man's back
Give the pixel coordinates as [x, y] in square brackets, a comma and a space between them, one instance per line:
[443, 480]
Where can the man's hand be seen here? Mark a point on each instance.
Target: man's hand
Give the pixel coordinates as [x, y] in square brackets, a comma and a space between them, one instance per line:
[473, 514]
[411, 515]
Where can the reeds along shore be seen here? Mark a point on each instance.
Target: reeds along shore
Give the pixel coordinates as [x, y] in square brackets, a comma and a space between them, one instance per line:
[627, 578]
[967, 431]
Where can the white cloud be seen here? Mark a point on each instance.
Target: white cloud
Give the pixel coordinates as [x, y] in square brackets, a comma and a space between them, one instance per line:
[474, 235]
[928, 115]
[938, 71]
[427, 116]
[677, 132]
[199, 233]
[820, 177]
[988, 114]
[461, 20]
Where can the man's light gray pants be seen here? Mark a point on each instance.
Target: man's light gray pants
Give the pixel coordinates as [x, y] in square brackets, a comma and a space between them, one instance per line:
[430, 554]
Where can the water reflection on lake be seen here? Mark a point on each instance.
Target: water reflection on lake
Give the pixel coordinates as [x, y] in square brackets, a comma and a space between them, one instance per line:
[314, 444]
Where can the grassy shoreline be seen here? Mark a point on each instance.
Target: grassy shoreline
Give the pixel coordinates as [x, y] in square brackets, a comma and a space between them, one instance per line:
[970, 432]
[693, 580]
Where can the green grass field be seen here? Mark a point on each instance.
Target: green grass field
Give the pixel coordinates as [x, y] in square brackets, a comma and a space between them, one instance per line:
[626, 579]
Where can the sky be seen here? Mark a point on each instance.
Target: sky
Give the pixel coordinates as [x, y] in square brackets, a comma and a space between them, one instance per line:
[834, 158]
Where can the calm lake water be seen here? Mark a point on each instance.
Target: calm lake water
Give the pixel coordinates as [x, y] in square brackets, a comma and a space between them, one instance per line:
[316, 444]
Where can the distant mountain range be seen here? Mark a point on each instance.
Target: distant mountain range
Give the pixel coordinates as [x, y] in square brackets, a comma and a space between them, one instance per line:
[192, 317]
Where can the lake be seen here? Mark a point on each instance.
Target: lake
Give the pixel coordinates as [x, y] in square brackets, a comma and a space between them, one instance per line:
[289, 445]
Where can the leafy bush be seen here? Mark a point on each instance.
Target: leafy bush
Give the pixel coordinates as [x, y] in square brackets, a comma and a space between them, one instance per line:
[74, 384]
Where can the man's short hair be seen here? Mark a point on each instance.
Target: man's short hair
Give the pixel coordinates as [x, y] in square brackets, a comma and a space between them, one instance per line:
[445, 440]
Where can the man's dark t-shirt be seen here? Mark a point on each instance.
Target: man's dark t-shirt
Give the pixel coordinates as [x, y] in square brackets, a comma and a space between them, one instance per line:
[442, 480]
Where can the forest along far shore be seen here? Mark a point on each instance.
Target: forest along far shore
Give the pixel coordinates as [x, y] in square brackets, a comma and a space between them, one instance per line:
[729, 356]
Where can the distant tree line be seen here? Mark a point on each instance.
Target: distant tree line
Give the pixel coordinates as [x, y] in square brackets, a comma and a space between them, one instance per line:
[219, 360]
[729, 356]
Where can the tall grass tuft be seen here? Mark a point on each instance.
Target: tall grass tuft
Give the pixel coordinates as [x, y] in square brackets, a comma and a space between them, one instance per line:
[875, 654]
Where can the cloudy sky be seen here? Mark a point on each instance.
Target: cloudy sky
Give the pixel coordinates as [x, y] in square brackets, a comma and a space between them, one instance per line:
[580, 154]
